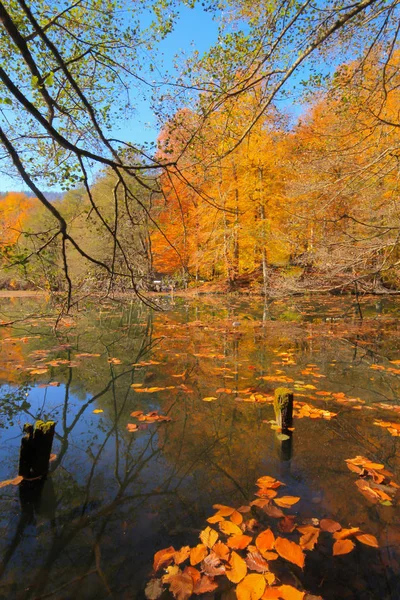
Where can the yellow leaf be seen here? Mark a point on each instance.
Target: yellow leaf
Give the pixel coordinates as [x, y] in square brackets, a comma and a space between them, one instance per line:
[209, 398]
[197, 554]
[209, 537]
[230, 528]
[286, 501]
[251, 587]
[342, 547]
[236, 568]
[98, 411]
[290, 551]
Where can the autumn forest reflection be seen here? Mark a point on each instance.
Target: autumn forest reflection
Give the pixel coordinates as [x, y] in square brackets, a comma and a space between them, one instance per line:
[115, 497]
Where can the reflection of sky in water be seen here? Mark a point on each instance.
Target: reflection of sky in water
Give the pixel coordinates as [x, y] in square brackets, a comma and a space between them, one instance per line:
[125, 495]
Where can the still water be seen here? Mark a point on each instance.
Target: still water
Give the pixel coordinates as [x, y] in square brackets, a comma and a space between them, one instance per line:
[114, 497]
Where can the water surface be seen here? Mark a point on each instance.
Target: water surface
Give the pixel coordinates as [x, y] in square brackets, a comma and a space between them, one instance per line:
[114, 497]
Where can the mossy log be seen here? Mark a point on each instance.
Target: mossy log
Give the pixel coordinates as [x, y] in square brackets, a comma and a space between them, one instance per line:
[36, 449]
[283, 406]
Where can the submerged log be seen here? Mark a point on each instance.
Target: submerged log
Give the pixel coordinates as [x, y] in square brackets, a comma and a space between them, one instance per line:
[36, 449]
[283, 406]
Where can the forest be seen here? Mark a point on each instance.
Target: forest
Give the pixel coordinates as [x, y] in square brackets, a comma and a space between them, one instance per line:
[239, 191]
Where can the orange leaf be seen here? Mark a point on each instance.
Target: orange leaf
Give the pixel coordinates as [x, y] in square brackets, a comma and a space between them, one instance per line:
[342, 547]
[286, 501]
[236, 518]
[230, 528]
[204, 585]
[290, 551]
[14, 481]
[181, 586]
[237, 568]
[251, 587]
[181, 555]
[223, 510]
[345, 533]
[288, 592]
[309, 539]
[194, 574]
[209, 537]
[163, 557]
[216, 518]
[368, 539]
[131, 427]
[197, 554]
[221, 550]
[265, 541]
[271, 593]
[239, 542]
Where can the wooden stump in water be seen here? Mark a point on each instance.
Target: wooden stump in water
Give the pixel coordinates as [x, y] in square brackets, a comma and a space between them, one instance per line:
[283, 406]
[35, 449]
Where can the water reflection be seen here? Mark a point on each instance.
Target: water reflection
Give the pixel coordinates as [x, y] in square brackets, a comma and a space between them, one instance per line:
[113, 497]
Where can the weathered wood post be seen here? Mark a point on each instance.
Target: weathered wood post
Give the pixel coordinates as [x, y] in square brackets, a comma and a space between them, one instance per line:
[283, 406]
[35, 449]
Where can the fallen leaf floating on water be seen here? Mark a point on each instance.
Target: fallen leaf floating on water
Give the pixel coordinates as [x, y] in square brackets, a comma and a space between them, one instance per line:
[251, 587]
[209, 398]
[303, 409]
[392, 428]
[236, 568]
[181, 586]
[367, 539]
[342, 547]
[265, 541]
[163, 558]
[204, 585]
[153, 589]
[181, 555]
[114, 361]
[229, 528]
[244, 557]
[15, 481]
[239, 542]
[197, 554]
[329, 525]
[97, 411]
[131, 427]
[255, 562]
[209, 537]
[375, 482]
[286, 501]
[290, 551]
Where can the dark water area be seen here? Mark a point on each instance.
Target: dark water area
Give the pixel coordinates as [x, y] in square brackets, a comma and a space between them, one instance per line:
[114, 497]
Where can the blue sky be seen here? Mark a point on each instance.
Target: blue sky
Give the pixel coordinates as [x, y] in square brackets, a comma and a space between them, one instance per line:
[195, 29]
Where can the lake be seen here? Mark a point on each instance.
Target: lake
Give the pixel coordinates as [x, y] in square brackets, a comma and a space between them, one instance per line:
[116, 496]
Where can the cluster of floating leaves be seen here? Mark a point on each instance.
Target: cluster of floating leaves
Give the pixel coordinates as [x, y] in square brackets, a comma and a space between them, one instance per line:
[241, 553]
[375, 482]
[392, 428]
[151, 417]
[302, 409]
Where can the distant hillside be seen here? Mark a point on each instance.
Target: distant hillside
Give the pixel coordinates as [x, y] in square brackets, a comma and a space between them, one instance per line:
[51, 196]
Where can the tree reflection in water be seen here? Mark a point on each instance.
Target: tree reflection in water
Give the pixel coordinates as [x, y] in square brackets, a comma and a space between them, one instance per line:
[113, 497]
